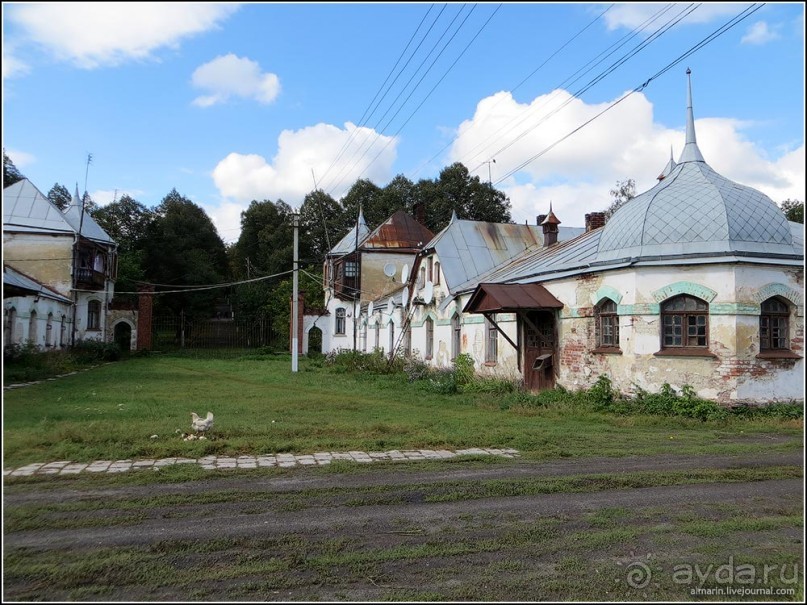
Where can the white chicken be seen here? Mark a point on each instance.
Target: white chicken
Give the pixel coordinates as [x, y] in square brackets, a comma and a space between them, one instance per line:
[200, 425]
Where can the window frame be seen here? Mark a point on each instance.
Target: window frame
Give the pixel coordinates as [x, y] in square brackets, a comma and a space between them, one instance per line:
[94, 313]
[429, 323]
[456, 336]
[606, 319]
[685, 316]
[340, 317]
[491, 343]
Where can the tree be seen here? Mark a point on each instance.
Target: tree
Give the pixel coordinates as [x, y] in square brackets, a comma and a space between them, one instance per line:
[622, 193]
[10, 173]
[60, 196]
[323, 222]
[126, 221]
[90, 207]
[366, 195]
[455, 190]
[794, 210]
[182, 248]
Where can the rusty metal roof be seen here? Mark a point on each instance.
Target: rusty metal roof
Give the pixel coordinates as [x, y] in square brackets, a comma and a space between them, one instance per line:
[399, 231]
[499, 298]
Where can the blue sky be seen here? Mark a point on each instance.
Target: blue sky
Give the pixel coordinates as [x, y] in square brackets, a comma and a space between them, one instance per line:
[233, 102]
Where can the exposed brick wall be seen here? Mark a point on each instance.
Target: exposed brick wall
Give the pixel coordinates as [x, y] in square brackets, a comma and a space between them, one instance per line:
[595, 220]
[144, 306]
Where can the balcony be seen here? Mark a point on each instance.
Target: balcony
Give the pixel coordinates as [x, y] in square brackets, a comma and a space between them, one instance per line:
[87, 279]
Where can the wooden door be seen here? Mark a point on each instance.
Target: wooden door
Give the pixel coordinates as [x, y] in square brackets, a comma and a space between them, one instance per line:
[539, 350]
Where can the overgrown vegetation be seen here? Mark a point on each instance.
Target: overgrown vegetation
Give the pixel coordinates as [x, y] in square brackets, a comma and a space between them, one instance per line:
[26, 362]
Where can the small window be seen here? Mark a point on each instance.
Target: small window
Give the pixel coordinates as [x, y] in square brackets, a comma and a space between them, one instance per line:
[430, 264]
[436, 273]
[33, 324]
[684, 322]
[456, 338]
[491, 342]
[340, 322]
[422, 278]
[94, 315]
[606, 326]
[774, 330]
[429, 338]
[351, 268]
[377, 334]
[391, 348]
[49, 331]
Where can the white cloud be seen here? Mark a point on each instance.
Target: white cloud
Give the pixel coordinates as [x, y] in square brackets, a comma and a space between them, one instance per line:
[759, 34]
[241, 178]
[13, 66]
[96, 34]
[231, 76]
[634, 15]
[623, 143]
[21, 159]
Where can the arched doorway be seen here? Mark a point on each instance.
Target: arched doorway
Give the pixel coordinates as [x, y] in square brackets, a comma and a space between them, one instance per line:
[314, 341]
[123, 336]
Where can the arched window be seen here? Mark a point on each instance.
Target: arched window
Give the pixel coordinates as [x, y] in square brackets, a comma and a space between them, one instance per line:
[340, 322]
[408, 340]
[49, 331]
[606, 325]
[774, 330]
[456, 336]
[391, 348]
[94, 315]
[436, 273]
[491, 342]
[377, 333]
[32, 328]
[684, 322]
[62, 331]
[364, 335]
[429, 338]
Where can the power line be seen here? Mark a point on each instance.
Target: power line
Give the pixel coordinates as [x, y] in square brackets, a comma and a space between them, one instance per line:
[339, 179]
[200, 288]
[718, 32]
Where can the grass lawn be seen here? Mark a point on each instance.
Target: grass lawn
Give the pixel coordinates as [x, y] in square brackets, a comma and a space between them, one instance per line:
[113, 411]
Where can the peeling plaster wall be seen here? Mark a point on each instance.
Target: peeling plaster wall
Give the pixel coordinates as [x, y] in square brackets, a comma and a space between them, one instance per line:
[46, 258]
[734, 294]
[21, 331]
[374, 282]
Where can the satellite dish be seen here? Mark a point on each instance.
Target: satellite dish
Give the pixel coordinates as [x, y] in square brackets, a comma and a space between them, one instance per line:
[404, 273]
[391, 305]
[405, 295]
[428, 292]
[370, 308]
[389, 270]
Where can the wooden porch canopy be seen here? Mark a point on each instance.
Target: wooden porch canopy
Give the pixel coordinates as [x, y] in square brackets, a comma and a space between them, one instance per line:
[489, 299]
[503, 298]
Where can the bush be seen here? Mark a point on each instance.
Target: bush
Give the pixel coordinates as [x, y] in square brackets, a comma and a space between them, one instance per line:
[464, 369]
[91, 351]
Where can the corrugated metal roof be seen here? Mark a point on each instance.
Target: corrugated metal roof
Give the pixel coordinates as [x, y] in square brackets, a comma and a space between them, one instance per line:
[25, 207]
[469, 249]
[19, 284]
[399, 231]
[501, 298]
[347, 244]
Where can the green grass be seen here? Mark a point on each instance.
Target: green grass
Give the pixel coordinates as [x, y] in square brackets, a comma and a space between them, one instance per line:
[111, 412]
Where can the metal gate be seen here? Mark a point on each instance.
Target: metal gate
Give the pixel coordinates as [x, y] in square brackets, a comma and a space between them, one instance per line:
[181, 332]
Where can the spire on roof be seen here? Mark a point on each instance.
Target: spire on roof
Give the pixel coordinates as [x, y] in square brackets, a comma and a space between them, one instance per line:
[690, 153]
[668, 168]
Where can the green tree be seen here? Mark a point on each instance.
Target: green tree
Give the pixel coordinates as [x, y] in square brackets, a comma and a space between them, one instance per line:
[794, 210]
[323, 222]
[623, 192]
[278, 303]
[366, 195]
[182, 248]
[455, 190]
[10, 173]
[60, 196]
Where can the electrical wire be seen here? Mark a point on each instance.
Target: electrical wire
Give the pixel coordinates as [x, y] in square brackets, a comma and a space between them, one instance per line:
[715, 34]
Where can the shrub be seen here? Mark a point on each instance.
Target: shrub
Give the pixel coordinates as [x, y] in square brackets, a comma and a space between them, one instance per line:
[464, 369]
[602, 393]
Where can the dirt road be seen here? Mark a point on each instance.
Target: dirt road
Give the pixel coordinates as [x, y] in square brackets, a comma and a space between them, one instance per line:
[515, 530]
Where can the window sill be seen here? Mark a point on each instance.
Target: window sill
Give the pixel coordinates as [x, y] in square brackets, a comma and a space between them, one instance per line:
[685, 352]
[607, 351]
[490, 364]
[781, 354]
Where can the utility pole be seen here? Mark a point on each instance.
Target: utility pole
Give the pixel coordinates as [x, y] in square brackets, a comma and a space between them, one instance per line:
[294, 297]
[490, 179]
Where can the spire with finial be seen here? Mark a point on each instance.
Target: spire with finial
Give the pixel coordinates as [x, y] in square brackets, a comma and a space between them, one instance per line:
[668, 168]
[690, 153]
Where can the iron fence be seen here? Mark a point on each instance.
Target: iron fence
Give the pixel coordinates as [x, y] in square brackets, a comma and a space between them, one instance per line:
[180, 332]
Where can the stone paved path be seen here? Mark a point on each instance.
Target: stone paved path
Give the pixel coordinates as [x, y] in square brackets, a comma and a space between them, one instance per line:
[66, 467]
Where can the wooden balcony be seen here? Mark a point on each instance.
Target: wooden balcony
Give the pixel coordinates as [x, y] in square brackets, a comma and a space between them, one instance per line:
[87, 279]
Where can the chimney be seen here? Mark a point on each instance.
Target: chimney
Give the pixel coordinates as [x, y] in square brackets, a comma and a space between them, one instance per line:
[550, 225]
[419, 211]
[595, 220]
[540, 219]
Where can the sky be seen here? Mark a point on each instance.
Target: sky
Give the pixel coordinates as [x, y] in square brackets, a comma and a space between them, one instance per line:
[553, 103]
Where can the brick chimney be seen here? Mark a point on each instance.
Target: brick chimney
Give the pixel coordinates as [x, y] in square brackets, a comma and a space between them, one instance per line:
[550, 225]
[595, 220]
[419, 212]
